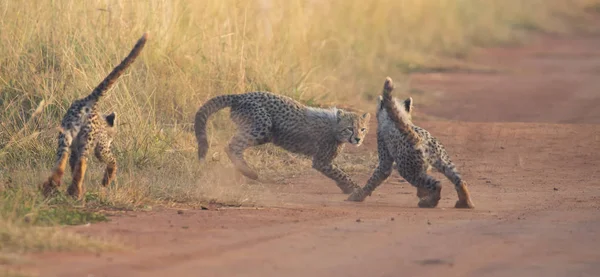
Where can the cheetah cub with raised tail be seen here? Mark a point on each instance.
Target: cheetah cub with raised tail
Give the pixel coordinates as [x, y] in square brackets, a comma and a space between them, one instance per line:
[414, 150]
[83, 128]
[264, 117]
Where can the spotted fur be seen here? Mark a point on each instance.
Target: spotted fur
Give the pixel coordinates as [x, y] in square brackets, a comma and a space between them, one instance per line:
[83, 128]
[414, 150]
[264, 117]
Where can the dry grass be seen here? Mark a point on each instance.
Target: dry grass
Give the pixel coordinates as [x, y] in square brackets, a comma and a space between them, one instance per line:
[19, 238]
[319, 52]
[28, 223]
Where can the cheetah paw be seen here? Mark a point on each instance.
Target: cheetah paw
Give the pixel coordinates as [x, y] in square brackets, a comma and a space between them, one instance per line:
[75, 192]
[464, 205]
[348, 190]
[357, 196]
[428, 202]
[49, 187]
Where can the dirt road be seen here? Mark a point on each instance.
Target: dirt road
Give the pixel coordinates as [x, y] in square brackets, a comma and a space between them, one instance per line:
[527, 140]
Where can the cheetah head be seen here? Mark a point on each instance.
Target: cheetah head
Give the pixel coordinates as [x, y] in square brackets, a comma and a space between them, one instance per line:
[111, 123]
[352, 127]
[405, 107]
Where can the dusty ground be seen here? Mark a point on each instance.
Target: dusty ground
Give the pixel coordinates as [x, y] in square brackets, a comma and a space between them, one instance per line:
[525, 139]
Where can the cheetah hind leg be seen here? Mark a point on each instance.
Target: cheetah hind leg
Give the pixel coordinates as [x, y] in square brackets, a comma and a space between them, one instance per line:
[235, 152]
[422, 192]
[76, 188]
[464, 198]
[104, 154]
[50, 186]
[254, 128]
[428, 189]
[79, 162]
[432, 199]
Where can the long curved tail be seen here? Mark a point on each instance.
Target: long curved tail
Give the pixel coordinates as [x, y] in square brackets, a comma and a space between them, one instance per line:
[211, 106]
[101, 89]
[392, 110]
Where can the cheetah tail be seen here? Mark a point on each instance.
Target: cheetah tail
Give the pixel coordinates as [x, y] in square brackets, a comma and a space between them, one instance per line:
[211, 106]
[101, 89]
[392, 110]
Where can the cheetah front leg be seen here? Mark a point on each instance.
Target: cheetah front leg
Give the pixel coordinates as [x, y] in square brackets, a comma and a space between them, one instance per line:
[381, 173]
[54, 181]
[342, 180]
[323, 163]
[104, 154]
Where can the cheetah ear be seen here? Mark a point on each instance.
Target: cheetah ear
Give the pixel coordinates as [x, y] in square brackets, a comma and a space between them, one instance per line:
[111, 118]
[380, 102]
[408, 105]
[339, 115]
[366, 116]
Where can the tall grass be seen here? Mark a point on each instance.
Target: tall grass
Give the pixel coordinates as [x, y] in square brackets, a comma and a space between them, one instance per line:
[319, 52]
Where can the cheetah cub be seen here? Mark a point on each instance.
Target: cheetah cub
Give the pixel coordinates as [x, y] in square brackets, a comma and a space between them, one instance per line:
[264, 117]
[414, 150]
[83, 128]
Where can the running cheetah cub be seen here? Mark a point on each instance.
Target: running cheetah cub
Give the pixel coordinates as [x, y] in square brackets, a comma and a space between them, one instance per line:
[414, 150]
[264, 117]
[83, 128]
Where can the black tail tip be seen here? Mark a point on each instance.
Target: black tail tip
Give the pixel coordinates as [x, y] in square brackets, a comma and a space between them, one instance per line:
[388, 86]
[201, 157]
[202, 151]
[145, 36]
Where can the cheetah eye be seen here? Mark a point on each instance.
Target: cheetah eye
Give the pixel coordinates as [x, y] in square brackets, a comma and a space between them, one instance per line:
[362, 130]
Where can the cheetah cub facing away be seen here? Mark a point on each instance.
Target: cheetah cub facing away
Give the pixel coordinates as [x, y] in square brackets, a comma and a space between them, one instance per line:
[414, 150]
[83, 128]
[264, 117]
